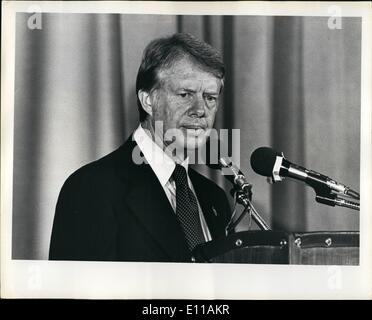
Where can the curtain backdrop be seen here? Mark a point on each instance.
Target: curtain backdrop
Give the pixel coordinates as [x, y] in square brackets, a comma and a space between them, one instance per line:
[292, 83]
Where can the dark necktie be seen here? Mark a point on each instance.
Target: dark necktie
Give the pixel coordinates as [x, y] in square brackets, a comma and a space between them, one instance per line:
[187, 208]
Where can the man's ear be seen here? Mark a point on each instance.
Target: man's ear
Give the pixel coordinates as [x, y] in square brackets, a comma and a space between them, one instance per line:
[146, 101]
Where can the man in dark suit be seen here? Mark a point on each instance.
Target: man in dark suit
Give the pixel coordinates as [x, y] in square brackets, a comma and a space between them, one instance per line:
[142, 202]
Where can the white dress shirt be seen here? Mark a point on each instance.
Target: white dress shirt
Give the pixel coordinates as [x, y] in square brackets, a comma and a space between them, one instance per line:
[163, 167]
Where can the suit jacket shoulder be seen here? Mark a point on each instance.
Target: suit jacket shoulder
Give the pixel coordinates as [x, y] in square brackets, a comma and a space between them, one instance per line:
[85, 223]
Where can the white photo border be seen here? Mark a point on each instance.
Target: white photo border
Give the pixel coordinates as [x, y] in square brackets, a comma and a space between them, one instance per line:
[131, 280]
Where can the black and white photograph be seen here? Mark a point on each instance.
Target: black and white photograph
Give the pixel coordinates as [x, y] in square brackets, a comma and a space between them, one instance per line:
[223, 142]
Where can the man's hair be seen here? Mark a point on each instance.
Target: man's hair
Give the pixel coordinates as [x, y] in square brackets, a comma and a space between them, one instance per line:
[164, 52]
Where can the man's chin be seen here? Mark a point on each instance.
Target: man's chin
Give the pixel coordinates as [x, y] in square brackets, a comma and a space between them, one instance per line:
[187, 141]
[196, 142]
[196, 137]
[192, 143]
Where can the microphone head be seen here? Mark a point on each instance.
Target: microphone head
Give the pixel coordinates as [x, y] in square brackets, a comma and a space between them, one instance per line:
[263, 160]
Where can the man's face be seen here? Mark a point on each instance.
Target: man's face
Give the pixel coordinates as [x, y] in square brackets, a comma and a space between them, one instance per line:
[187, 100]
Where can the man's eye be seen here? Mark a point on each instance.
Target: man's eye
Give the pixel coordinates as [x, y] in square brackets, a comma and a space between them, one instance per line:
[211, 98]
[184, 94]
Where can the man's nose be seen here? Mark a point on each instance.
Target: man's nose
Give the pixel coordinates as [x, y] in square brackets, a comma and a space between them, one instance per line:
[198, 107]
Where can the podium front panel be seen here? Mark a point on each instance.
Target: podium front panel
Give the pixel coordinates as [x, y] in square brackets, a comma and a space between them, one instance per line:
[264, 247]
[324, 248]
[255, 254]
[276, 247]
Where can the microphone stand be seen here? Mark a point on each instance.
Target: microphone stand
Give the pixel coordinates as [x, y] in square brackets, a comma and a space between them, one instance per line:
[244, 198]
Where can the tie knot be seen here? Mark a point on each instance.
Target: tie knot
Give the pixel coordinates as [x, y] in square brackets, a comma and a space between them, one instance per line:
[179, 174]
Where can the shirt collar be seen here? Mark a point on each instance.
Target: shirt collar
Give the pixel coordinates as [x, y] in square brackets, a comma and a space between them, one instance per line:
[162, 164]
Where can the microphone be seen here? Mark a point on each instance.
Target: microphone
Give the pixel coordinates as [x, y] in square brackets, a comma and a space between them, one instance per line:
[214, 159]
[244, 189]
[232, 173]
[235, 175]
[267, 162]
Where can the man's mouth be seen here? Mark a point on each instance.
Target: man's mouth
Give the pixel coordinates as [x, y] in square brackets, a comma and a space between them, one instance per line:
[195, 130]
[194, 127]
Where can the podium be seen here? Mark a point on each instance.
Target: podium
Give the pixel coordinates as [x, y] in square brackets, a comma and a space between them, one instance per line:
[277, 247]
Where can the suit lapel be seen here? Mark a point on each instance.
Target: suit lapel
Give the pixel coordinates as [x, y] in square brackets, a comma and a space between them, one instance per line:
[147, 200]
[208, 205]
